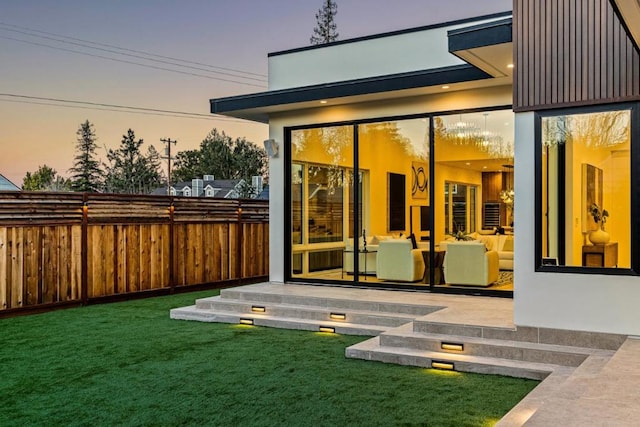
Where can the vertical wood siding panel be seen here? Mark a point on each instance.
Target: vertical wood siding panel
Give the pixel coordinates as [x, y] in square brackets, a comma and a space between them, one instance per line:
[575, 52]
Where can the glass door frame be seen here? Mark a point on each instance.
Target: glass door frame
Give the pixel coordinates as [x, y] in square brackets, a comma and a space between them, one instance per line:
[431, 287]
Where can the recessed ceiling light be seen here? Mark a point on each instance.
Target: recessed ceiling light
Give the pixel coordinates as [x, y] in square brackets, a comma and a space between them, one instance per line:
[323, 102]
[468, 163]
[445, 87]
[509, 65]
[484, 167]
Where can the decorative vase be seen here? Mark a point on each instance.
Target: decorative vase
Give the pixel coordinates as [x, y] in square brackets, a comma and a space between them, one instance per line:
[599, 236]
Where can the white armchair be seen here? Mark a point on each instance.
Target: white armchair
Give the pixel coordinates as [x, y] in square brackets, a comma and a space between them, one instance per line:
[469, 263]
[398, 261]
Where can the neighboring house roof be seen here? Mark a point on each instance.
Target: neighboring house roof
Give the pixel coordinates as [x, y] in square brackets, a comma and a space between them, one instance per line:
[6, 185]
[224, 188]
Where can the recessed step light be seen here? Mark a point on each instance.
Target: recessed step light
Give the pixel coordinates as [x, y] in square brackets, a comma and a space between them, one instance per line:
[452, 346]
[438, 364]
[338, 316]
[258, 309]
[327, 329]
[246, 321]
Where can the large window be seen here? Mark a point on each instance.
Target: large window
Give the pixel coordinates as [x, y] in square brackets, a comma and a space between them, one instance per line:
[371, 203]
[586, 184]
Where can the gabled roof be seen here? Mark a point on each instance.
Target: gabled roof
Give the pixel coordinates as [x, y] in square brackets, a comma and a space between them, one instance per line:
[6, 185]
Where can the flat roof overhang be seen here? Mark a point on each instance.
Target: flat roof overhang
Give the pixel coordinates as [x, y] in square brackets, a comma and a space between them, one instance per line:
[629, 13]
[487, 49]
[488, 46]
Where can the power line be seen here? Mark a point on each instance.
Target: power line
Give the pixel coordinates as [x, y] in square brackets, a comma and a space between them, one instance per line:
[84, 44]
[112, 107]
[133, 50]
[130, 62]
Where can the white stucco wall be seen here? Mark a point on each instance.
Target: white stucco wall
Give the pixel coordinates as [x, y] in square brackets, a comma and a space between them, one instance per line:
[405, 52]
[479, 98]
[589, 302]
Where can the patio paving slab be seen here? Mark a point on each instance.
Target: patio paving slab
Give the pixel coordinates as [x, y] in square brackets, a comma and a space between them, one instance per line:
[603, 391]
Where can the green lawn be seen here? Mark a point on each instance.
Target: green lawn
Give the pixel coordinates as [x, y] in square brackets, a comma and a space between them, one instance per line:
[129, 364]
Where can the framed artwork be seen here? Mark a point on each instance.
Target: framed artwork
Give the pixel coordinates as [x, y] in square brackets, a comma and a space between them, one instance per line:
[397, 201]
[419, 180]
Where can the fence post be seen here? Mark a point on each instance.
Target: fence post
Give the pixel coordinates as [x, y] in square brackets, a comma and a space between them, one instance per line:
[239, 244]
[84, 250]
[172, 284]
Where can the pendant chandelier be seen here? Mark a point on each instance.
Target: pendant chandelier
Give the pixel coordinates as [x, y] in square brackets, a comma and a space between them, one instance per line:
[462, 132]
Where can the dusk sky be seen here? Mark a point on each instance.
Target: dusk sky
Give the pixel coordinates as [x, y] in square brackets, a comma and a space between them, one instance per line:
[228, 34]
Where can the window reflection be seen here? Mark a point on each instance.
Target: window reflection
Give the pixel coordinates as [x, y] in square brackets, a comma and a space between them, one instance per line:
[586, 193]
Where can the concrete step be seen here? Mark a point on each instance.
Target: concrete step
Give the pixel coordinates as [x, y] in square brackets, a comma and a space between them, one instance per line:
[582, 339]
[339, 327]
[253, 295]
[554, 354]
[372, 350]
[377, 318]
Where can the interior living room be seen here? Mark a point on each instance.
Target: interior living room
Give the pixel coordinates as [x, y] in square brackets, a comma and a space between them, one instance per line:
[433, 191]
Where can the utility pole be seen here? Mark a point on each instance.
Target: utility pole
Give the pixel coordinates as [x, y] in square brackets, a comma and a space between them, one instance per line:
[167, 152]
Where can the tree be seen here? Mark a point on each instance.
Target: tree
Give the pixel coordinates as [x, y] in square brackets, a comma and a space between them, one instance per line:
[223, 157]
[325, 30]
[131, 172]
[45, 179]
[86, 172]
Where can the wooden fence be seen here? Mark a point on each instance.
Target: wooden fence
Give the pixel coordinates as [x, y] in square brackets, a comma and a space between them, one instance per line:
[68, 248]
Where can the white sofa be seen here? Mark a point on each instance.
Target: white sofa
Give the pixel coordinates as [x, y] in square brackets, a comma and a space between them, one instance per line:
[470, 263]
[501, 243]
[398, 261]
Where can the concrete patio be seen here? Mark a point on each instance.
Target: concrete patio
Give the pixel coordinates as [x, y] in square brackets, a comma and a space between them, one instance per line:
[586, 378]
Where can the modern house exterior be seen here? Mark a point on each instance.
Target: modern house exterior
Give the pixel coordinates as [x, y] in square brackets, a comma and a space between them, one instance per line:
[518, 129]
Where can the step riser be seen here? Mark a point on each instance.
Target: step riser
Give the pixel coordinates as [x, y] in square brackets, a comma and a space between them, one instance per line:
[425, 362]
[179, 314]
[594, 340]
[307, 314]
[340, 304]
[486, 350]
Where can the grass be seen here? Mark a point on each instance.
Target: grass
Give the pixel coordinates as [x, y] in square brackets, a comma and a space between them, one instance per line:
[129, 364]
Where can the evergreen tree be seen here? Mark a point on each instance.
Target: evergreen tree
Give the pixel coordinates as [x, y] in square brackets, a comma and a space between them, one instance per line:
[223, 157]
[45, 179]
[131, 172]
[86, 172]
[325, 30]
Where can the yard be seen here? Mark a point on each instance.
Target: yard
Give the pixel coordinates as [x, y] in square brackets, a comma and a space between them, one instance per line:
[129, 364]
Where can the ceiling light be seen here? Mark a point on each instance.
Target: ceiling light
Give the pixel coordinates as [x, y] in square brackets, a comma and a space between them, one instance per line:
[323, 102]
[445, 87]
[509, 65]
